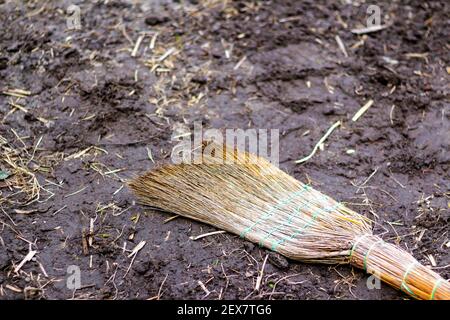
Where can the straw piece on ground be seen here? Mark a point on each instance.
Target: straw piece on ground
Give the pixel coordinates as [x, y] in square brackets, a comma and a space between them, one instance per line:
[137, 45]
[369, 29]
[321, 141]
[206, 235]
[362, 110]
[341, 45]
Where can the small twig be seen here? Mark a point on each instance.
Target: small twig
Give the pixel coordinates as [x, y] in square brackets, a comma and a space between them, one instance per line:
[167, 54]
[19, 93]
[367, 180]
[43, 269]
[134, 253]
[318, 144]
[171, 218]
[288, 19]
[18, 106]
[59, 210]
[153, 41]
[204, 288]
[391, 114]
[13, 288]
[136, 46]
[9, 217]
[284, 278]
[341, 45]
[261, 273]
[240, 63]
[441, 267]
[369, 29]
[362, 110]
[206, 235]
[84, 242]
[136, 249]
[27, 258]
[395, 180]
[161, 286]
[149, 154]
[158, 296]
[76, 192]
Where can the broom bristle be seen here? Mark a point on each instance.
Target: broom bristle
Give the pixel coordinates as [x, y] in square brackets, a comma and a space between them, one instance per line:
[246, 195]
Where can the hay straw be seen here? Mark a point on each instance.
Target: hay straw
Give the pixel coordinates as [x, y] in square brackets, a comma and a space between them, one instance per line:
[246, 195]
[321, 141]
[362, 110]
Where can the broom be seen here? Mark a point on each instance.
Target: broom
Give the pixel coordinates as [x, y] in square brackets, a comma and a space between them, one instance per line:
[246, 195]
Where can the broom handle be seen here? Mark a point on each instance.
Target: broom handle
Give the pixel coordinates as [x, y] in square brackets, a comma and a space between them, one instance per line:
[398, 268]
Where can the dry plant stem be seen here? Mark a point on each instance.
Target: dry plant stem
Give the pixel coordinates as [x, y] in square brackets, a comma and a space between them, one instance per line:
[246, 195]
[398, 268]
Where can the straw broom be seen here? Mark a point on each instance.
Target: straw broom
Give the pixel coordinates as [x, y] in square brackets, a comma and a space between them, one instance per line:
[246, 195]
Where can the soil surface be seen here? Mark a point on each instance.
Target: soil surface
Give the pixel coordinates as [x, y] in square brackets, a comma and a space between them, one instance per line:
[82, 111]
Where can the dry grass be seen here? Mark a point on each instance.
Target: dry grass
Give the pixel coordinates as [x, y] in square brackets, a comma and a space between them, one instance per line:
[246, 195]
[23, 162]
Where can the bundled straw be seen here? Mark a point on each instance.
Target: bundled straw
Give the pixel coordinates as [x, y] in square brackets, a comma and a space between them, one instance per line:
[246, 195]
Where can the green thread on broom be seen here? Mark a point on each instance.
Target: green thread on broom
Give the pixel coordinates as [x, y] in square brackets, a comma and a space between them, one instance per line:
[307, 225]
[404, 285]
[282, 203]
[278, 242]
[354, 245]
[408, 270]
[436, 286]
[289, 220]
[367, 254]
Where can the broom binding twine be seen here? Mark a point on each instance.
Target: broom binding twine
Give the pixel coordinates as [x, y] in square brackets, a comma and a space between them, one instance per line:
[436, 286]
[376, 257]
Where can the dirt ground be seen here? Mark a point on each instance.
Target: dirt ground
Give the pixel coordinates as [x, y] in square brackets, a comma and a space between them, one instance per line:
[82, 111]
